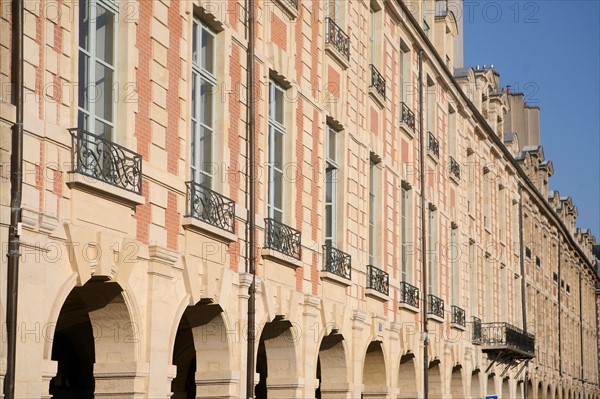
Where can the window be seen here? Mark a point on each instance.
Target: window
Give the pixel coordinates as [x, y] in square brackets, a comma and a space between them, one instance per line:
[432, 243]
[373, 35]
[454, 265]
[489, 288]
[517, 302]
[405, 232]
[502, 293]
[430, 103]
[404, 71]
[276, 152]
[473, 278]
[203, 104]
[451, 127]
[425, 24]
[331, 176]
[486, 198]
[332, 10]
[97, 67]
[501, 212]
[372, 210]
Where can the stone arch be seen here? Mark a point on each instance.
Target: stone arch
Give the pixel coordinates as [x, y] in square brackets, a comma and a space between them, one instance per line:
[95, 343]
[276, 361]
[435, 381]
[557, 393]
[201, 353]
[374, 372]
[538, 391]
[547, 392]
[490, 388]
[332, 367]
[407, 377]
[520, 389]
[505, 391]
[457, 386]
[476, 384]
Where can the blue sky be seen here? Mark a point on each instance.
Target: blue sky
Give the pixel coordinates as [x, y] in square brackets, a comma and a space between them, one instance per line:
[550, 50]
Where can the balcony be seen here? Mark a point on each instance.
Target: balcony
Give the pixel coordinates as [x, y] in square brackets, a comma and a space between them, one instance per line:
[435, 307]
[454, 169]
[407, 117]
[335, 37]
[507, 342]
[282, 238]
[378, 283]
[290, 7]
[377, 81]
[409, 296]
[101, 159]
[476, 339]
[458, 317]
[337, 263]
[433, 145]
[210, 207]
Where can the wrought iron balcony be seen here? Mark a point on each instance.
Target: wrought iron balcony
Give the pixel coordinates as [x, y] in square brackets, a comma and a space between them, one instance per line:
[292, 3]
[476, 330]
[507, 341]
[335, 36]
[458, 316]
[378, 280]
[210, 207]
[377, 81]
[435, 306]
[433, 144]
[454, 168]
[409, 294]
[103, 160]
[408, 116]
[282, 238]
[337, 262]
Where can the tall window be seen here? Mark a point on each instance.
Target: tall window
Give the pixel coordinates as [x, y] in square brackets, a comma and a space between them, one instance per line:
[486, 198]
[373, 35]
[332, 10]
[372, 210]
[517, 302]
[430, 100]
[501, 212]
[276, 151]
[203, 104]
[451, 129]
[474, 279]
[404, 71]
[432, 244]
[97, 67]
[331, 177]
[425, 12]
[454, 265]
[502, 293]
[405, 232]
[488, 288]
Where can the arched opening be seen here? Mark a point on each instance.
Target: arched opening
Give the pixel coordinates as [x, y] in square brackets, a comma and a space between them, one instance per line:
[93, 331]
[547, 392]
[407, 377]
[332, 371]
[276, 361]
[520, 388]
[491, 385]
[557, 393]
[476, 384]
[530, 390]
[539, 391]
[435, 380]
[456, 382]
[374, 372]
[506, 388]
[201, 354]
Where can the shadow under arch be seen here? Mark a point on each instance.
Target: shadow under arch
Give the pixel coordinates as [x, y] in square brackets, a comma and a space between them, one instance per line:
[407, 377]
[332, 368]
[374, 372]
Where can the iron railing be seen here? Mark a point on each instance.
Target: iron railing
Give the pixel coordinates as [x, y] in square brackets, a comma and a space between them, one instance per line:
[476, 330]
[210, 206]
[337, 262]
[293, 3]
[408, 116]
[506, 336]
[435, 306]
[335, 36]
[282, 238]
[433, 144]
[378, 280]
[409, 294]
[103, 160]
[377, 81]
[458, 316]
[454, 168]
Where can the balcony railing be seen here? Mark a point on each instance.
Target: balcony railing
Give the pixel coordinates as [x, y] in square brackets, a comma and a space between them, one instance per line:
[103, 160]
[458, 316]
[408, 116]
[378, 280]
[293, 3]
[435, 306]
[377, 81]
[409, 294]
[503, 336]
[210, 207]
[282, 238]
[433, 144]
[476, 330]
[335, 36]
[454, 168]
[337, 262]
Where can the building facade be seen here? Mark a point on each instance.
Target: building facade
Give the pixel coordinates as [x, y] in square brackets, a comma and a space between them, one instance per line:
[406, 237]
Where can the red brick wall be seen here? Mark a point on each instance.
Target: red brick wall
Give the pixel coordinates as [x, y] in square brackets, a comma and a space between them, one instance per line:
[173, 101]
[278, 32]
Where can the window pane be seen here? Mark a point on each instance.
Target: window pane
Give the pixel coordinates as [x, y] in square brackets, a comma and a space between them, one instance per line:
[102, 129]
[205, 149]
[278, 189]
[194, 96]
[332, 145]
[194, 157]
[82, 121]
[84, 78]
[278, 149]
[278, 104]
[328, 221]
[103, 96]
[207, 97]
[195, 42]
[105, 23]
[329, 186]
[84, 22]
[208, 42]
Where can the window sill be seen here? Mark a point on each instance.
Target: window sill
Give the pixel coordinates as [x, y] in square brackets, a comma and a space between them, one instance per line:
[377, 97]
[287, 8]
[487, 229]
[376, 295]
[432, 156]
[458, 327]
[334, 278]
[407, 130]
[276, 256]
[89, 184]
[213, 231]
[472, 216]
[435, 318]
[454, 179]
[395, 10]
[408, 307]
[337, 56]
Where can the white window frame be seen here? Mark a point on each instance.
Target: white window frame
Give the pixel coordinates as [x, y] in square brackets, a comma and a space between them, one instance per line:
[406, 266]
[454, 265]
[276, 175]
[432, 231]
[451, 132]
[92, 59]
[202, 172]
[331, 180]
[404, 71]
[373, 211]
